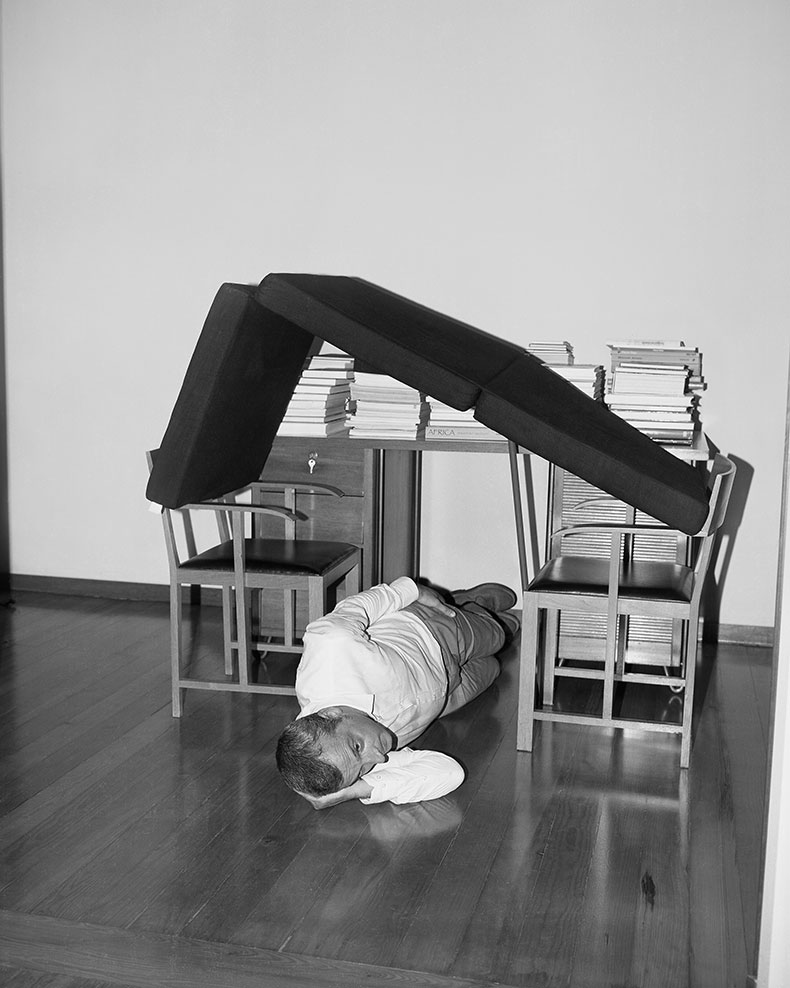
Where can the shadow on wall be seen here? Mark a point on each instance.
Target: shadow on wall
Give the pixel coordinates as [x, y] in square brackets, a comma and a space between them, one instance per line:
[723, 548]
[5, 537]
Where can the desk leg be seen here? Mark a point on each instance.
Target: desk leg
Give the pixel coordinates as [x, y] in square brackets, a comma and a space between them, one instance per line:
[400, 475]
[521, 537]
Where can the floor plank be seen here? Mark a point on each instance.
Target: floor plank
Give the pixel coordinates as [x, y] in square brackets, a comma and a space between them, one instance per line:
[165, 840]
[18, 978]
[592, 861]
[384, 863]
[58, 704]
[718, 948]
[743, 690]
[434, 935]
[150, 961]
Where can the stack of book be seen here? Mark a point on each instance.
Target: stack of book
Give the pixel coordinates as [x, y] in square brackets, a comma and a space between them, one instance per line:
[655, 385]
[552, 351]
[664, 352]
[589, 378]
[385, 408]
[446, 422]
[318, 405]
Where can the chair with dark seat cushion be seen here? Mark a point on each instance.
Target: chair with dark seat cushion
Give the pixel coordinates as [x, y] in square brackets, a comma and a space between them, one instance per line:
[243, 563]
[618, 587]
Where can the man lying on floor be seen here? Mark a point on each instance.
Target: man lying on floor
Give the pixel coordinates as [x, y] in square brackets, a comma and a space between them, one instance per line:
[375, 673]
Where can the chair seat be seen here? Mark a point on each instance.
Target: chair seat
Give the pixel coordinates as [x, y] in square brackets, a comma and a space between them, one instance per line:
[275, 556]
[640, 579]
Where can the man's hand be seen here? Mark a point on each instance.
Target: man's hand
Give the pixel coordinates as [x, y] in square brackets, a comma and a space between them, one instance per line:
[357, 790]
[430, 598]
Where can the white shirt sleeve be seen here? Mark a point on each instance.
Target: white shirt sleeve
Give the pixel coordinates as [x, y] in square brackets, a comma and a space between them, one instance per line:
[413, 776]
[354, 615]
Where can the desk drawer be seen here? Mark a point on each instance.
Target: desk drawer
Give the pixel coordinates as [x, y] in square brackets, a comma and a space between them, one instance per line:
[338, 463]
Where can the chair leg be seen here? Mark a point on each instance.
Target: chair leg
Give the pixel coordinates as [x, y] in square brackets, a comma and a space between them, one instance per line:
[527, 673]
[351, 582]
[316, 599]
[176, 645]
[622, 639]
[289, 616]
[678, 646]
[689, 675]
[550, 654]
[227, 629]
[610, 658]
[255, 607]
[243, 635]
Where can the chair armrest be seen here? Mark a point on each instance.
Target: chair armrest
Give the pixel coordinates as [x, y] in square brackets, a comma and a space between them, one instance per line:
[305, 488]
[253, 509]
[607, 528]
[589, 502]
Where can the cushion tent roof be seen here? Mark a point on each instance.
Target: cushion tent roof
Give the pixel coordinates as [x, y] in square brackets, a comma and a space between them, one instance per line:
[253, 345]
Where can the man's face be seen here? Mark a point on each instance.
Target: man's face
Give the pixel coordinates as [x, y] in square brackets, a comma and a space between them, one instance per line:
[358, 744]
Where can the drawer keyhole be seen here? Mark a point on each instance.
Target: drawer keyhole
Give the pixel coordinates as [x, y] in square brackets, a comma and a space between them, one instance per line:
[312, 460]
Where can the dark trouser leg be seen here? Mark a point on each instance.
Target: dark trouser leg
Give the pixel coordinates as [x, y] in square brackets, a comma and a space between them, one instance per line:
[468, 641]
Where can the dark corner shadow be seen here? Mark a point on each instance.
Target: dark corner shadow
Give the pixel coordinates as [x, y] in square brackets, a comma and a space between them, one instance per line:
[717, 576]
[5, 532]
[723, 549]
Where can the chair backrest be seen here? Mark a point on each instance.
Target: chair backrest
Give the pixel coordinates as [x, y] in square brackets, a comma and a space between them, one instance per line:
[183, 544]
[179, 526]
[171, 543]
[720, 481]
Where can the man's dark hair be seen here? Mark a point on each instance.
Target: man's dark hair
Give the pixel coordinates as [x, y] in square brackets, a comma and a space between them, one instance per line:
[299, 753]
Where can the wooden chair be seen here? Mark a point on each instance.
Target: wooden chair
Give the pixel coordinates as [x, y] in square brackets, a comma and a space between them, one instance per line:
[618, 587]
[242, 562]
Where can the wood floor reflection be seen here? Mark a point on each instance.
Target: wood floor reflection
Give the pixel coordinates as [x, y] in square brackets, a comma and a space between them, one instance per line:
[137, 849]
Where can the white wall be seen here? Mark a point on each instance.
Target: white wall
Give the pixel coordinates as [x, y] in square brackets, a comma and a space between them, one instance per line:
[539, 168]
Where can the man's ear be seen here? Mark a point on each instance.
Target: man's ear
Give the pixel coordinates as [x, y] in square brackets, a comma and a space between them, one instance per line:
[332, 711]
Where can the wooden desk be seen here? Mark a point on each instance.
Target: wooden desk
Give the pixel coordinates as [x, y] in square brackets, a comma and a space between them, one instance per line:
[382, 482]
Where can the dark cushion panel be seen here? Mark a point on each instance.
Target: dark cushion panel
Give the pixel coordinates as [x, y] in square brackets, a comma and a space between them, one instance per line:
[307, 556]
[250, 354]
[582, 575]
[240, 379]
[538, 409]
[434, 353]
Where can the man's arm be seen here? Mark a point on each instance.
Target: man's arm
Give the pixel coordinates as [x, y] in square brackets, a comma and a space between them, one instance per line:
[357, 790]
[406, 777]
[413, 776]
[354, 615]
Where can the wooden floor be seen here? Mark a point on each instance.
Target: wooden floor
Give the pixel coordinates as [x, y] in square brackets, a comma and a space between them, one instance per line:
[141, 850]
